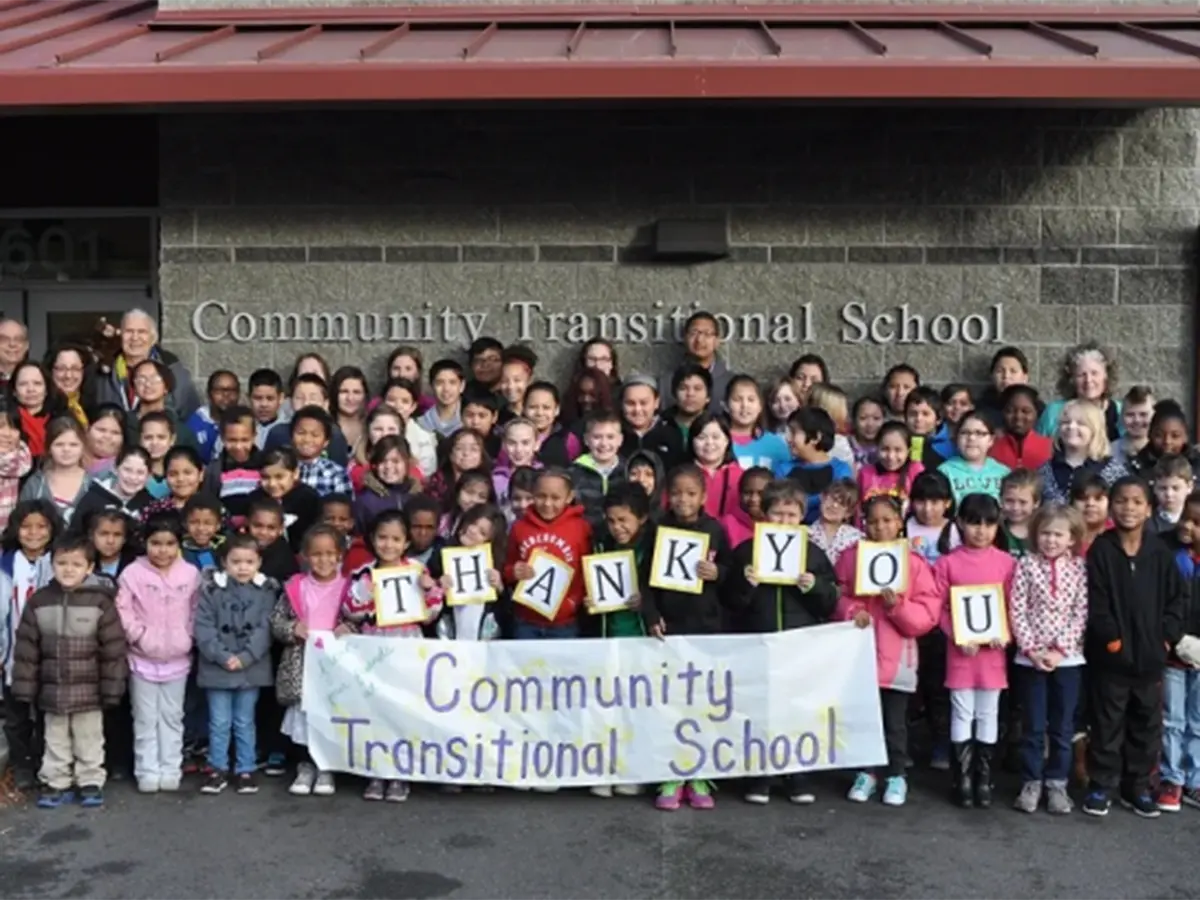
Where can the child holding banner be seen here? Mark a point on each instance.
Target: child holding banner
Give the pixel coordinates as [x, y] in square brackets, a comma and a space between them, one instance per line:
[892, 591]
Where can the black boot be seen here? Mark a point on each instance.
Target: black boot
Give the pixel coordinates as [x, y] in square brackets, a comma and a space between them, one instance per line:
[960, 763]
[983, 774]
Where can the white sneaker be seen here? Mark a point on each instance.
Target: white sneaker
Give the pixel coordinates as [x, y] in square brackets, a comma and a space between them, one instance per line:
[601, 790]
[325, 786]
[169, 784]
[629, 790]
[306, 775]
[148, 785]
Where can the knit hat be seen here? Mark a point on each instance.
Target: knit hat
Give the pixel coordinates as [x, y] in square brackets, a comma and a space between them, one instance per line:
[639, 380]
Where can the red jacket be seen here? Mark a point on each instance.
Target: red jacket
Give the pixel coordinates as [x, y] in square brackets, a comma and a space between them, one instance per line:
[569, 537]
[1031, 452]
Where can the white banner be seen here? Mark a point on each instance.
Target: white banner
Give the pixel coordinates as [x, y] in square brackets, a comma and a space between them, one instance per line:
[586, 712]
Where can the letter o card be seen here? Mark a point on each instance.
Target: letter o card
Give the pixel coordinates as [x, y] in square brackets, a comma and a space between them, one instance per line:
[881, 564]
[780, 553]
[468, 570]
[978, 614]
[611, 580]
[399, 598]
[677, 553]
[545, 591]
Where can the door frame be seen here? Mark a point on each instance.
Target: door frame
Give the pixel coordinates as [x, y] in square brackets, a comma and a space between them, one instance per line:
[81, 297]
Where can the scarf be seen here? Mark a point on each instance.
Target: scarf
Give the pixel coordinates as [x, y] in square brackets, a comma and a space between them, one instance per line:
[34, 429]
[75, 408]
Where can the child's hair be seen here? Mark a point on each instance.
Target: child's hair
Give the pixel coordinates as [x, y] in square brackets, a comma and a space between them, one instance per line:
[404, 384]
[933, 485]
[927, 395]
[264, 504]
[106, 516]
[73, 543]
[891, 502]
[757, 472]
[420, 503]
[11, 539]
[320, 530]
[158, 417]
[388, 444]
[833, 400]
[1010, 353]
[140, 452]
[843, 491]
[466, 480]
[499, 527]
[703, 421]
[979, 418]
[952, 390]
[239, 541]
[602, 387]
[857, 408]
[1164, 411]
[1139, 394]
[1172, 466]
[979, 509]
[631, 496]
[599, 417]
[1087, 483]
[1093, 417]
[336, 500]
[809, 359]
[1193, 499]
[236, 415]
[899, 369]
[296, 376]
[387, 517]
[1058, 512]
[556, 472]
[691, 370]
[183, 451]
[281, 456]
[817, 426]
[687, 470]
[447, 448]
[265, 378]
[411, 352]
[524, 478]
[894, 427]
[165, 522]
[312, 379]
[445, 365]
[203, 501]
[772, 392]
[519, 422]
[57, 428]
[1133, 481]
[481, 396]
[783, 490]
[546, 387]
[1023, 479]
[1020, 390]
[737, 381]
[312, 414]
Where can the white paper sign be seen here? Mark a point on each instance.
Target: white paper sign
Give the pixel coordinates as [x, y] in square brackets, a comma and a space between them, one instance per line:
[399, 599]
[468, 570]
[881, 565]
[611, 580]
[677, 553]
[780, 552]
[545, 591]
[978, 614]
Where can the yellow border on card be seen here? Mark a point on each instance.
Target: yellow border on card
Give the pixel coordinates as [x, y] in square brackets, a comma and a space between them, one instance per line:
[522, 597]
[759, 540]
[859, 583]
[488, 594]
[956, 623]
[378, 575]
[660, 539]
[589, 578]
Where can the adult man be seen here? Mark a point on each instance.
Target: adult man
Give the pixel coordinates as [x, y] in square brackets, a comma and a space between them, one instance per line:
[139, 342]
[14, 347]
[702, 338]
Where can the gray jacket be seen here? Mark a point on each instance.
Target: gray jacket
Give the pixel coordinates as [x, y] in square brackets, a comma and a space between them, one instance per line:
[185, 399]
[36, 488]
[233, 619]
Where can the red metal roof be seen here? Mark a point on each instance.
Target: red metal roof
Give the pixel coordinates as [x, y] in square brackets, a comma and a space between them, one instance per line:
[88, 52]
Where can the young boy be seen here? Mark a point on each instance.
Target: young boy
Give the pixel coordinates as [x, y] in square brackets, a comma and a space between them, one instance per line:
[480, 413]
[810, 437]
[1179, 769]
[1020, 496]
[445, 416]
[1137, 409]
[223, 390]
[265, 523]
[266, 399]
[486, 359]
[312, 429]
[156, 435]
[930, 444]
[310, 391]
[301, 504]
[1137, 605]
[1173, 482]
[767, 607]
[234, 473]
[596, 472]
[421, 515]
[202, 516]
[645, 467]
[71, 628]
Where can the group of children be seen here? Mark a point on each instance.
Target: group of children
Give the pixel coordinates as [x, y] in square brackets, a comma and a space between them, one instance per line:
[195, 571]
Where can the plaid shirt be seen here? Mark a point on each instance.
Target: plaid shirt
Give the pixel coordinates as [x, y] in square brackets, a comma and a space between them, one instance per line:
[325, 477]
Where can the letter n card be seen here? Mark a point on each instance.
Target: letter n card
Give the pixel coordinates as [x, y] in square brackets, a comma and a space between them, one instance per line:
[978, 614]
[677, 553]
[399, 598]
[611, 580]
[780, 553]
[468, 570]
[545, 591]
[881, 565]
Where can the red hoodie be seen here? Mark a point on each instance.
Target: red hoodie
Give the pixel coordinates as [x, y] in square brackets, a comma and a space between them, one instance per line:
[569, 537]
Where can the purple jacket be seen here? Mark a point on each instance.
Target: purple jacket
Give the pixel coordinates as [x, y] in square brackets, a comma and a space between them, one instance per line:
[375, 498]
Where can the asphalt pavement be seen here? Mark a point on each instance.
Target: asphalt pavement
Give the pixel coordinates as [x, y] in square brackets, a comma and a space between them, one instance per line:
[570, 844]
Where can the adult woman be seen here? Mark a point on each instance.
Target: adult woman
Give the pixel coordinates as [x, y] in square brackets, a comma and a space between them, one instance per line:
[309, 364]
[1089, 372]
[68, 366]
[139, 342]
[589, 391]
[1080, 445]
[153, 383]
[599, 353]
[349, 393]
[37, 402]
[407, 362]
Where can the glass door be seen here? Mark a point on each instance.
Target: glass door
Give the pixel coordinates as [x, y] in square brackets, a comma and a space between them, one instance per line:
[72, 313]
[12, 305]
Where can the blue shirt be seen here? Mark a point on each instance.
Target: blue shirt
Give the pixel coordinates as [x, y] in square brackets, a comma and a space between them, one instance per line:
[814, 478]
[966, 478]
[768, 450]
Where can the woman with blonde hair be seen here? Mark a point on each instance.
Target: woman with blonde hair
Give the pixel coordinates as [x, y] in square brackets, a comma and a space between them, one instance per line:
[1080, 445]
[834, 401]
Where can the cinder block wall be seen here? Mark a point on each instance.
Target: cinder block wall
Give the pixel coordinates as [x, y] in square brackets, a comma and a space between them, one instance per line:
[1075, 223]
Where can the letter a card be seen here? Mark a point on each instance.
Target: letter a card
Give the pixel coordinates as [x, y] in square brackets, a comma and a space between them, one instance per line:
[399, 598]
[545, 591]
[677, 553]
[780, 553]
[468, 570]
[978, 614]
[881, 564]
[611, 580]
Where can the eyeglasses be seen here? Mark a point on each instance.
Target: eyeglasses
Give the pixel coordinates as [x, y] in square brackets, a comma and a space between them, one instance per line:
[13, 341]
[148, 380]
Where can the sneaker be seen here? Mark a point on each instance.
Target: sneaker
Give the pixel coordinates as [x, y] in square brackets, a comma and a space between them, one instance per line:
[91, 796]
[147, 785]
[247, 784]
[275, 765]
[1191, 796]
[52, 799]
[324, 785]
[375, 789]
[1030, 797]
[863, 788]
[215, 783]
[670, 796]
[1169, 797]
[798, 790]
[601, 790]
[629, 790]
[171, 785]
[397, 792]
[1096, 803]
[939, 758]
[699, 795]
[1058, 801]
[1143, 805]
[895, 791]
[759, 792]
[306, 776]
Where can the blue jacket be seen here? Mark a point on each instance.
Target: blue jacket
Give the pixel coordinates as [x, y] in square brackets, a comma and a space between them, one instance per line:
[206, 432]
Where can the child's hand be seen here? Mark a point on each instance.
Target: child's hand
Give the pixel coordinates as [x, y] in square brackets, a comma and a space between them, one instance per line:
[233, 664]
[970, 649]
[300, 630]
[342, 630]
[447, 582]
[1051, 659]
[889, 598]
[658, 630]
[997, 645]
[494, 579]
[635, 602]
[751, 578]
[706, 570]
[862, 619]
[426, 582]
[522, 571]
[806, 581]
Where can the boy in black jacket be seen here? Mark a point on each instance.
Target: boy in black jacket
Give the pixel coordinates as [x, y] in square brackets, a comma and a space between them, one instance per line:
[775, 607]
[1137, 603]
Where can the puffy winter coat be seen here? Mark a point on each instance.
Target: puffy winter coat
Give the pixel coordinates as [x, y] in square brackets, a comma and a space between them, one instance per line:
[234, 619]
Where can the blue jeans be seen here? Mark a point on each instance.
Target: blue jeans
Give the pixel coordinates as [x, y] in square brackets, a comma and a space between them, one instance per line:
[232, 710]
[1048, 700]
[523, 631]
[1181, 728]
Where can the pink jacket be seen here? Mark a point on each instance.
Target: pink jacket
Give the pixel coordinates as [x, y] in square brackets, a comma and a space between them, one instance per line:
[871, 482]
[722, 490]
[897, 629]
[987, 669]
[1048, 605]
[739, 527]
[157, 610]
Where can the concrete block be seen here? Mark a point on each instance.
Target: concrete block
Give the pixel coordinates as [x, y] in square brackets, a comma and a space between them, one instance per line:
[1078, 227]
[1027, 324]
[1159, 227]
[1078, 286]
[1119, 187]
[1158, 287]
[1155, 147]
[1077, 147]
[923, 225]
[1000, 226]
[986, 285]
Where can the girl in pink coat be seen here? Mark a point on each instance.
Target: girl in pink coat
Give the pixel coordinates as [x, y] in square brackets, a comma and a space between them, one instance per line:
[899, 618]
[975, 674]
[156, 599]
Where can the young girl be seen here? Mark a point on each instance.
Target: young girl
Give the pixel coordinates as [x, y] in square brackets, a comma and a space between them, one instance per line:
[956, 403]
[520, 493]
[387, 486]
[972, 471]
[677, 612]
[833, 400]
[156, 599]
[711, 448]
[156, 433]
[388, 540]
[589, 391]
[832, 533]
[15, 462]
[899, 381]
[518, 448]
[1019, 446]
[556, 446]
[1048, 612]
[62, 478]
[473, 488]
[898, 619]
[24, 569]
[739, 524]
[122, 490]
[868, 415]
[516, 374]
[184, 471]
[782, 401]
[408, 363]
[893, 471]
[1020, 496]
[479, 525]
[37, 402]
[975, 675]
[1080, 446]
[463, 451]
[1089, 495]
[301, 503]
[753, 444]
[311, 601]
[105, 437]
[111, 535]
[401, 397]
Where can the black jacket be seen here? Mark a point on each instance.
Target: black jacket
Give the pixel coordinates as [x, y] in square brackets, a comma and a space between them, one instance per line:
[1140, 602]
[279, 561]
[684, 613]
[101, 497]
[591, 488]
[664, 440]
[301, 511]
[775, 607]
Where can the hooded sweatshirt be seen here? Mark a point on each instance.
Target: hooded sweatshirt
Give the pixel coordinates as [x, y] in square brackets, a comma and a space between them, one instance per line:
[157, 611]
[592, 486]
[641, 457]
[1029, 452]
[569, 537]
[664, 441]
[739, 527]
[685, 613]
[776, 607]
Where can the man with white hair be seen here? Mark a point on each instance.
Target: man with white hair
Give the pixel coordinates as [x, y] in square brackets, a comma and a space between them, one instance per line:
[139, 342]
[14, 347]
